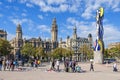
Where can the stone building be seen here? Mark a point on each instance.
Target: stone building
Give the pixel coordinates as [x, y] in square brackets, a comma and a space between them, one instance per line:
[75, 42]
[17, 42]
[48, 45]
[3, 34]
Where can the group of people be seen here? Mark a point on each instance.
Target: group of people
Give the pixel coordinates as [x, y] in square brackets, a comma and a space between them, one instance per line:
[35, 63]
[70, 66]
[6, 64]
[54, 65]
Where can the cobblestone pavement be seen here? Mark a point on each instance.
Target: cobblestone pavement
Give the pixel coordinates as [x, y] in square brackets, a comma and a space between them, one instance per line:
[102, 72]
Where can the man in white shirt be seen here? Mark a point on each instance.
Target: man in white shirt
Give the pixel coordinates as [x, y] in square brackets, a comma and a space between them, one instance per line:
[57, 64]
[115, 67]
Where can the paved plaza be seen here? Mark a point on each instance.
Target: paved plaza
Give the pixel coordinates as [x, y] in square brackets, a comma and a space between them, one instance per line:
[102, 72]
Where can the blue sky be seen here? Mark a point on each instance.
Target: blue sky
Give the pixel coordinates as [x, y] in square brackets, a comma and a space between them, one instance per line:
[35, 17]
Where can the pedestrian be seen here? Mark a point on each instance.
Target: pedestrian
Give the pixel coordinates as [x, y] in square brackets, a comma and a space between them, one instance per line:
[0, 64]
[7, 64]
[73, 65]
[115, 67]
[12, 65]
[53, 65]
[66, 64]
[50, 68]
[70, 66]
[58, 65]
[91, 66]
[4, 64]
[32, 63]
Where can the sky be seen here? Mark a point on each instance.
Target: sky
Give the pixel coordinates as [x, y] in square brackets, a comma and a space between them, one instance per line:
[35, 17]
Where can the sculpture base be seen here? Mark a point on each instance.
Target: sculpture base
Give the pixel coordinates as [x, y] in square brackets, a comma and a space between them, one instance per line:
[98, 57]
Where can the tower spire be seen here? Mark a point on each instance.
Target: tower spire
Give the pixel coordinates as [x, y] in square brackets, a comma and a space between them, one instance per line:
[54, 31]
[75, 33]
[19, 32]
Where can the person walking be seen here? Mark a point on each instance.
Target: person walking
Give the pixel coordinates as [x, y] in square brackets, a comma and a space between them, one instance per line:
[0, 64]
[66, 65]
[4, 64]
[91, 66]
[115, 67]
[58, 65]
[53, 65]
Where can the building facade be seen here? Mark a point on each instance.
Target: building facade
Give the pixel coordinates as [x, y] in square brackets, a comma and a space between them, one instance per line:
[3, 34]
[48, 45]
[74, 43]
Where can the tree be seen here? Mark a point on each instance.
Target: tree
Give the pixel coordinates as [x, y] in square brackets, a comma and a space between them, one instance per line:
[5, 47]
[57, 53]
[61, 52]
[86, 51]
[40, 52]
[106, 54]
[115, 51]
[28, 50]
[69, 53]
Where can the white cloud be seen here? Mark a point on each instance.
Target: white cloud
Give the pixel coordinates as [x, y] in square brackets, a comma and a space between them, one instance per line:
[29, 5]
[44, 28]
[111, 33]
[117, 10]
[19, 21]
[55, 5]
[83, 27]
[40, 16]
[55, 1]
[26, 37]
[93, 5]
[85, 8]
[10, 36]
[28, 22]
[24, 14]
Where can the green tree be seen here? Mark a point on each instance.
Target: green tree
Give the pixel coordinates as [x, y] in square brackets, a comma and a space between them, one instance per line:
[28, 50]
[61, 52]
[106, 54]
[86, 51]
[57, 53]
[40, 52]
[69, 53]
[115, 52]
[5, 47]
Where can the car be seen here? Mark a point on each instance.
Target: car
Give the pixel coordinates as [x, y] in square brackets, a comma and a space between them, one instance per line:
[109, 60]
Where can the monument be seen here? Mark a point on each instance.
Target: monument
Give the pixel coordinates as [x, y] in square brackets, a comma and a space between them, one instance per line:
[99, 44]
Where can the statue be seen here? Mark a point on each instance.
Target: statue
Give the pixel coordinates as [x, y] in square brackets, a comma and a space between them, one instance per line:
[99, 44]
